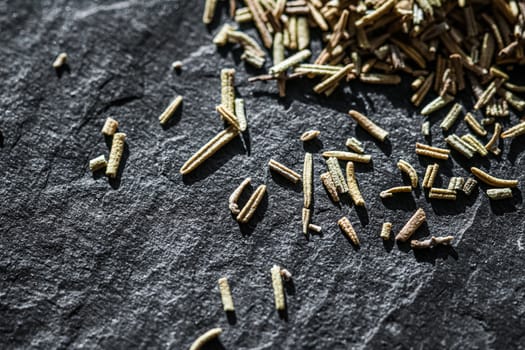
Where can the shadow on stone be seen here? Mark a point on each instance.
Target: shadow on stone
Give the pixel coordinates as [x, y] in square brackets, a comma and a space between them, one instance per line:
[400, 201]
[284, 182]
[289, 286]
[388, 244]
[313, 146]
[231, 316]
[214, 344]
[430, 255]
[362, 213]
[516, 147]
[62, 70]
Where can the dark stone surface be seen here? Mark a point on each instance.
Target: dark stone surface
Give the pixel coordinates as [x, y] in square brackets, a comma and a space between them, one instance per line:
[85, 263]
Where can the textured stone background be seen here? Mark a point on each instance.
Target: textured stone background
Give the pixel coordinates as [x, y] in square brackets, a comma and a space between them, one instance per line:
[133, 263]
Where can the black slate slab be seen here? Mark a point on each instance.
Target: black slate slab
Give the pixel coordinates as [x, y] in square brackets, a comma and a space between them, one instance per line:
[133, 263]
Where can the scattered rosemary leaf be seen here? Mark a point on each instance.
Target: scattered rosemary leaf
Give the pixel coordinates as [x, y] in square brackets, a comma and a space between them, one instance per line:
[278, 290]
[442, 193]
[170, 110]
[412, 225]
[307, 179]
[475, 125]
[351, 156]
[368, 125]
[115, 155]
[514, 131]
[240, 114]
[355, 145]
[228, 89]
[309, 135]
[459, 145]
[209, 11]
[431, 242]
[290, 62]
[284, 171]
[236, 194]
[385, 231]
[337, 175]
[110, 127]
[451, 117]
[436, 104]
[499, 193]
[226, 296]
[328, 183]
[60, 60]
[469, 186]
[433, 152]
[347, 228]
[491, 180]
[97, 163]
[209, 149]
[353, 188]
[430, 175]
[399, 189]
[251, 206]
[306, 217]
[409, 170]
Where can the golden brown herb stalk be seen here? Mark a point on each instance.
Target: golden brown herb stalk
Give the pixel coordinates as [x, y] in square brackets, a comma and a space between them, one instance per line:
[228, 89]
[307, 179]
[337, 175]
[110, 127]
[97, 163]
[514, 131]
[475, 125]
[117, 149]
[351, 156]
[499, 193]
[60, 60]
[257, 13]
[390, 192]
[209, 149]
[309, 135]
[306, 217]
[451, 117]
[409, 170]
[234, 197]
[170, 110]
[251, 206]
[433, 152]
[226, 295]
[442, 193]
[353, 188]
[385, 231]
[431, 242]
[347, 228]
[284, 171]
[228, 116]
[209, 11]
[328, 183]
[333, 80]
[368, 125]
[278, 290]
[491, 180]
[412, 225]
[430, 175]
